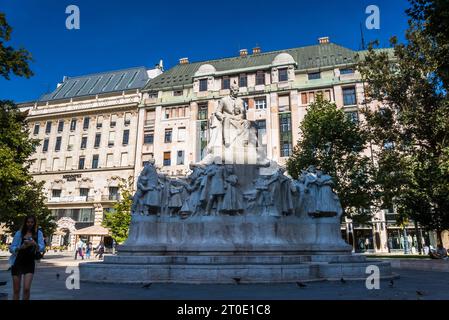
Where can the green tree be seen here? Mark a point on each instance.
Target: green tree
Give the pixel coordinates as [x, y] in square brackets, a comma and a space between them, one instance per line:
[119, 219]
[333, 143]
[20, 194]
[410, 127]
[12, 60]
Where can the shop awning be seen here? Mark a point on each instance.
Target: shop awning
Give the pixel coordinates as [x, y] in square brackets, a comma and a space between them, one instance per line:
[92, 231]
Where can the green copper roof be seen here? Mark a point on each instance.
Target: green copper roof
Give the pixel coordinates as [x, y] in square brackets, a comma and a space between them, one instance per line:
[105, 82]
[310, 57]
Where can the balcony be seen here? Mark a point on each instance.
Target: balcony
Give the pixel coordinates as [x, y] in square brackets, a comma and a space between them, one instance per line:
[70, 199]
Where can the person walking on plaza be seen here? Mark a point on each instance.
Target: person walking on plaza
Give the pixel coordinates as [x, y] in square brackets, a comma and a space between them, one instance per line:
[26, 248]
[88, 250]
[100, 250]
[79, 249]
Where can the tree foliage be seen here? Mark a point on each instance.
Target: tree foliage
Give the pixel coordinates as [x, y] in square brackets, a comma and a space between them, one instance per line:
[333, 143]
[20, 194]
[12, 60]
[410, 127]
[119, 219]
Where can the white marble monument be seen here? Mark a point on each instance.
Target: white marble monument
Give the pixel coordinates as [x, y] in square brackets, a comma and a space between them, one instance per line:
[227, 221]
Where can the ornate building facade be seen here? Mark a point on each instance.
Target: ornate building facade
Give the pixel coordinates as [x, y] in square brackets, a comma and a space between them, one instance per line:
[87, 128]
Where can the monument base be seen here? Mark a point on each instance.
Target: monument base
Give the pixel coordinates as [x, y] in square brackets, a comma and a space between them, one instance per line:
[226, 249]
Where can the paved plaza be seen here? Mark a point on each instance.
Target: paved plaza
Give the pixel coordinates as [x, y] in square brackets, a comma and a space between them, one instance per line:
[411, 285]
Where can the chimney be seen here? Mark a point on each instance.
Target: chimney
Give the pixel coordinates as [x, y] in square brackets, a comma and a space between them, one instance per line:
[323, 40]
[256, 50]
[243, 52]
[184, 61]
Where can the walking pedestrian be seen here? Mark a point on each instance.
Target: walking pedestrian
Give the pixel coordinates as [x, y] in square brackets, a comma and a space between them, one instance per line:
[26, 248]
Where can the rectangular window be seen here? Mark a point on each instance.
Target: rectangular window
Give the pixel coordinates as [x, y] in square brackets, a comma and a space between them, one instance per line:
[84, 192]
[261, 103]
[58, 144]
[81, 163]
[168, 136]
[262, 135]
[45, 146]
[202, 112]
[349, 98]
[285, 134]
[203, 84]
[95, 158]
[71, 143]
[245, 104]
[60, 126]
[113, 193]
[43, 165]
[124, 159]
[283, 74]
[86, 123]
[113, 122]
[177, 93]
[314, 76]
[284, 103]
[111, 140]
[303, 98]
[125, 140]
[99, 122]
[347, 71]
[167, 159]
[327, 95]
[56, 193]
[243, 81]
[182, 112]
[83, 142]
[37, 127]
[73, 125]
[68, 163]
[48, 127]
[97, 140]
[55, 165]
[127, 119]
[260, 78]
[109, 160]
[148, 138]
[311, 97]
[225, 83]
[181, 133]
[180, 158]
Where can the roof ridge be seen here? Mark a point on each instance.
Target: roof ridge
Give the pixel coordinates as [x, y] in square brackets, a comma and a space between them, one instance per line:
[270, 52]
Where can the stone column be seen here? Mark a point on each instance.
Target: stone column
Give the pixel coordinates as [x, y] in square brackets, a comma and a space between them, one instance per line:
[98, 214]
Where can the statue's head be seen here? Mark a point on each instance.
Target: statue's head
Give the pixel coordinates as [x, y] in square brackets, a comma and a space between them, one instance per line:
[234, 89]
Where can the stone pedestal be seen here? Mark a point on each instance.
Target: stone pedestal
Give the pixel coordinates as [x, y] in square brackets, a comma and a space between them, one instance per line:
[221, 249]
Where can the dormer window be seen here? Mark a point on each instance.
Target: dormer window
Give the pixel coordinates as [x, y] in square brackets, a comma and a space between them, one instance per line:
[225, 83]
[283, 74]
[203, 85]
[243, 81]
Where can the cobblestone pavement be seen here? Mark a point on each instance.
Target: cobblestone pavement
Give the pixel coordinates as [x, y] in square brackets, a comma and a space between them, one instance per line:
[412, 285]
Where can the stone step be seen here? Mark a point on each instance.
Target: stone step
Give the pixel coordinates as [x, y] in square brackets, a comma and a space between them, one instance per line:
[228, 259]
[250, 273]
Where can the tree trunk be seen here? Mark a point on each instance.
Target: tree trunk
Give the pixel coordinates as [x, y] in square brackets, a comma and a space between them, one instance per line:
[419, 238]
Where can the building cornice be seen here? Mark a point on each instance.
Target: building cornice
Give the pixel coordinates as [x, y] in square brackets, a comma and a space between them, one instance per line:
[40, 174]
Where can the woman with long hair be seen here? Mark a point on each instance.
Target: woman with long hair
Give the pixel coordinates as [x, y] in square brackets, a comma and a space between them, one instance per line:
[26, 245]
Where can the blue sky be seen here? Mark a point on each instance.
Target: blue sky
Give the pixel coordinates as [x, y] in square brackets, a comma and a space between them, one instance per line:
[122, 34]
